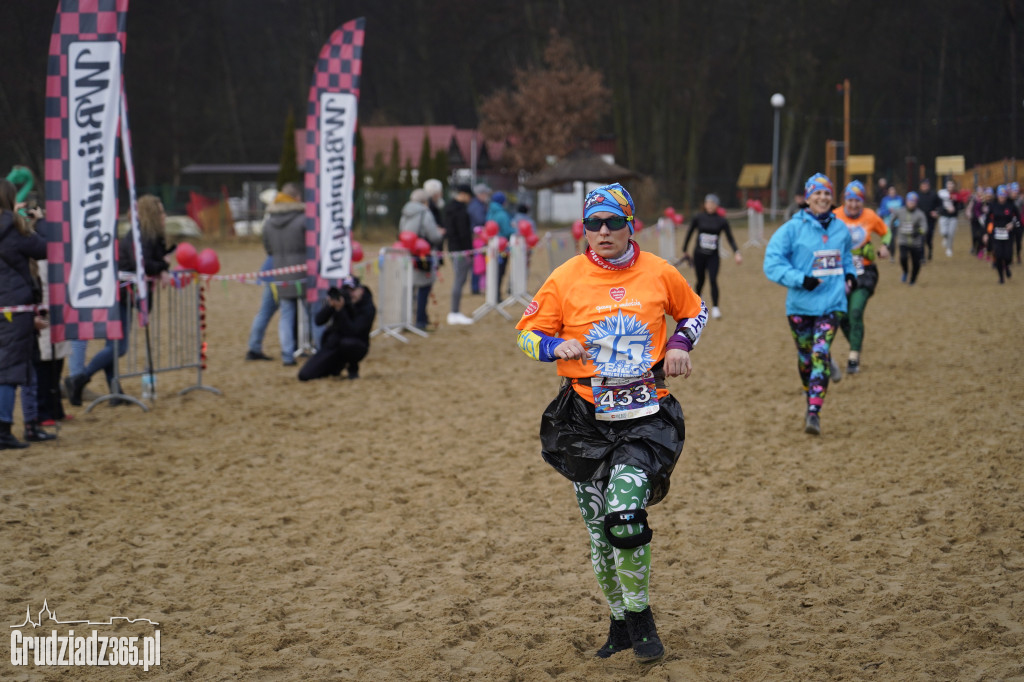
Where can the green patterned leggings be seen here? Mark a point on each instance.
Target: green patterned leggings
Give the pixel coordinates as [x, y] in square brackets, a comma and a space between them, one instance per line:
[623, 574]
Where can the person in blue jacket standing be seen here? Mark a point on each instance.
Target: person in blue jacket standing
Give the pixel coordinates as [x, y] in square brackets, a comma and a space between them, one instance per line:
[810, 254]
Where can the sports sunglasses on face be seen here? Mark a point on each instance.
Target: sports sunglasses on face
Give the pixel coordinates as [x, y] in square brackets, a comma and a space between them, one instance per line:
[614, 223]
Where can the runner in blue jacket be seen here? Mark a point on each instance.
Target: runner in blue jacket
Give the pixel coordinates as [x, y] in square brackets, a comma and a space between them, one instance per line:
[810, 254]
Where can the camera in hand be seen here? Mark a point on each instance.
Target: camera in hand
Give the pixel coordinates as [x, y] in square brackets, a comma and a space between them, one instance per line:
[336, 294]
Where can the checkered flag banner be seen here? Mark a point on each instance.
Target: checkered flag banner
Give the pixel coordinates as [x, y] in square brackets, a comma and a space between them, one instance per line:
[330, 157]
[83, 99]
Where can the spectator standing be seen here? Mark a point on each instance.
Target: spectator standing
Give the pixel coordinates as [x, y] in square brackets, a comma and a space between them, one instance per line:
[284, 238]
[496, 212]
[435, 199]
[18, 245]
[417, 218]
[268, 306]
[479, 205]
[459, 234]
[152, 226]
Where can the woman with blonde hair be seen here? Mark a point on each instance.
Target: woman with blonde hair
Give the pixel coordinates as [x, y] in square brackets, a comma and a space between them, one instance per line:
[152, 222]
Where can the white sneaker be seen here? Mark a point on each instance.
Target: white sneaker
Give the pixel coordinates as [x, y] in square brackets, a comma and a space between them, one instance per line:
[949, 253]
[459, 318]
[716, 313]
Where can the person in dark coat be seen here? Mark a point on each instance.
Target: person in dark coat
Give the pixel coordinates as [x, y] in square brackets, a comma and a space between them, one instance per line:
[152, 228]
[459, 233]
[18, 244]
[348, 314]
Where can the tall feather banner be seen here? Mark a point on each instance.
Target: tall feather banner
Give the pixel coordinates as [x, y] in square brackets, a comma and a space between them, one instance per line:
[330, 157]
[83, 99]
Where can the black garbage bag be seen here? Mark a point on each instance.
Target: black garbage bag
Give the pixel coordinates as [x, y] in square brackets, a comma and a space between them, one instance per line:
[583, 448]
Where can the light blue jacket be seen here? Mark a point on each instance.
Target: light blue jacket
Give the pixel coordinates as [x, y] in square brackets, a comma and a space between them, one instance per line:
[791, 255]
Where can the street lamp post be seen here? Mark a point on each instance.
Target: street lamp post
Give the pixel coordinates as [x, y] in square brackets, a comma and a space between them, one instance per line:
[778, 101]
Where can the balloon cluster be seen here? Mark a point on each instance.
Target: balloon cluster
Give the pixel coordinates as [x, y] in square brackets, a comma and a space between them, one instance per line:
[756, 205]
[204, 262]
[414, 244]
[526, 230]
[676, 218]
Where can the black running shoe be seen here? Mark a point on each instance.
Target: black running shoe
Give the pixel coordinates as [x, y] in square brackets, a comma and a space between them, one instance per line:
[257, 355]
[618, 639]
[647, 646]
[853, 366]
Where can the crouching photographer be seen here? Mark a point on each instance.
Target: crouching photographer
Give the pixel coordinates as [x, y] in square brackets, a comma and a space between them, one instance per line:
[348, 314]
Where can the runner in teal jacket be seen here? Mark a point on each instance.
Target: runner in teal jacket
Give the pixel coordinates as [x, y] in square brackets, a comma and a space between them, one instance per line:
[810, 254]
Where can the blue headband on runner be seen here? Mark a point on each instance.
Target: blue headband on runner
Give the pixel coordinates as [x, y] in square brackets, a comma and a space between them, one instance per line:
[611, 198]
[818, 181]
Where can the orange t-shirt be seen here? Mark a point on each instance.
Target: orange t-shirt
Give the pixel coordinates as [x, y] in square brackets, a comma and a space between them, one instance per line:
[618, 315]
[861, 228]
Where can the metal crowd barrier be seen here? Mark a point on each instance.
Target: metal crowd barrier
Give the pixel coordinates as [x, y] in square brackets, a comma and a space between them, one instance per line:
[666, 229]
[172, 340]
[394, 295]
[491, 300]
[518, 272]
[755, 228]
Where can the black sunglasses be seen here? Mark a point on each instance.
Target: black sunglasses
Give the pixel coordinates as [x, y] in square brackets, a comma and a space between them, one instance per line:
[615, 223]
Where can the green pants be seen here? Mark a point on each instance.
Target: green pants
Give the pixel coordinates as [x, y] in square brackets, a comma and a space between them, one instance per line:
[852, 323]
[623, 574]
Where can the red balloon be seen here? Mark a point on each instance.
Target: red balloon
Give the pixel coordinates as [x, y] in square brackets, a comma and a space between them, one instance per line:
[502, 243]
[720, 211]
[186, 256]
[531, 240]
[677, 218]
[638, 225]
[207, 262]
[357, 251]
[408, 239]
[670, 212]
[525, 228]
[490, 228]
[577, 229]
[422, 247]
[400, 245]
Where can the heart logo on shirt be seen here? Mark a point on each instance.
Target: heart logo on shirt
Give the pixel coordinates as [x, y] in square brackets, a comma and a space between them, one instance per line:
[618, 293]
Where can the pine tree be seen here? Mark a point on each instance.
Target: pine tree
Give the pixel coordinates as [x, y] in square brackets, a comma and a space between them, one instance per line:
[288, 171]
[407, 179]
[440, 168]
[426, 168]
[393, 177]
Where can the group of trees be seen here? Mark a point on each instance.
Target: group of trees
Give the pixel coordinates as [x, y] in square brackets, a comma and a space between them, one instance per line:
[683, 86]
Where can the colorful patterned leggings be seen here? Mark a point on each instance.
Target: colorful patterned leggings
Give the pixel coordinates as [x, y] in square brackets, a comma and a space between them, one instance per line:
[623, 574]
[813, 336]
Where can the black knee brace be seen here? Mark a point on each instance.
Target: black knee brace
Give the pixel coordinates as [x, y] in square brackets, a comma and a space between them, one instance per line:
[626, 518]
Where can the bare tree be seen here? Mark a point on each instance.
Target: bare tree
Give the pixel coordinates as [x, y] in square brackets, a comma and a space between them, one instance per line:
[551, 108]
